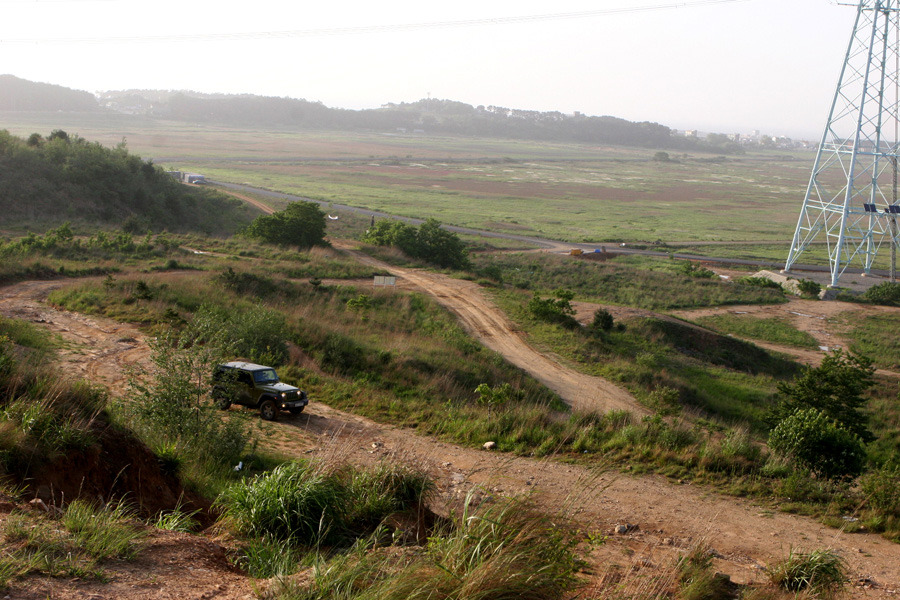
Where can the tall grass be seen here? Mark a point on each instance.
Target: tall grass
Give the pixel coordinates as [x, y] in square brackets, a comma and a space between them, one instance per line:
[71, 545]
[822, 571]
[309, 504]
[505, 551]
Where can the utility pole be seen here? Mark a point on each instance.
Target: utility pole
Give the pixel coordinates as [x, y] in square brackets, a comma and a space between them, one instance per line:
[847, 204]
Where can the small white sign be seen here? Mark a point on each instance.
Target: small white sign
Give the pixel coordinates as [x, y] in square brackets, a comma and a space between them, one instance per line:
[385, 280]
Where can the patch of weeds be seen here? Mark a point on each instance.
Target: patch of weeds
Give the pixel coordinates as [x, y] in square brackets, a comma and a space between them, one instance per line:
[820, 571]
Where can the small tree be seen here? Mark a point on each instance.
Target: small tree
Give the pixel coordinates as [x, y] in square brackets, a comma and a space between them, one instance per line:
[301, 224]
[603, 321]
[836, 388]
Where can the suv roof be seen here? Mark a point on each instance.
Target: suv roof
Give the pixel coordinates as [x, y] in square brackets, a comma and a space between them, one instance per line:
[244, 366]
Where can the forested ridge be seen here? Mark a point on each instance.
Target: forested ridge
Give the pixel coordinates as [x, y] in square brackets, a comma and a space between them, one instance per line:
[58, 178]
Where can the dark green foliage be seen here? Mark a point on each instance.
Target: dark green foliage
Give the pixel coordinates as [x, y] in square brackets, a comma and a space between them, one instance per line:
[836, 387]
[881, 490]
[695, 270]
[763, 282]
[66, 178]
[603, 321]
[429, 242]
[816, 442]
[255, 333]
[251, 284]
[809, 287]
[554, 310]
[301, 224]
[886, 293]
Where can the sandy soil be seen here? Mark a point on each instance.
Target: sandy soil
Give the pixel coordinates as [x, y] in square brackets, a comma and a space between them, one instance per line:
[668, 516]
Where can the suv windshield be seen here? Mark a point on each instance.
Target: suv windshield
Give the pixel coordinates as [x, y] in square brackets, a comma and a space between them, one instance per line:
[265, 376]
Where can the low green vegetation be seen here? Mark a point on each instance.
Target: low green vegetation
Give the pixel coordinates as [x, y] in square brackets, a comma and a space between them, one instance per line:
[72, 545]
[609, 283]
[874, 335]
[774, 330]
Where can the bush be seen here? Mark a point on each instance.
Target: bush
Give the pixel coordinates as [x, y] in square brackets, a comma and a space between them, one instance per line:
[818, 443]
[554, 310]
[429, 242]
[305, 504]
[821, 571]
[301, 224]
[763, 282]
[807, 287]
[603, 321]
[881, 490]
[295, 502]
[887, 293]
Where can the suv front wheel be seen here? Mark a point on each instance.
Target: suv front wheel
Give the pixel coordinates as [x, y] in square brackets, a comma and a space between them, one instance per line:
[268, 410]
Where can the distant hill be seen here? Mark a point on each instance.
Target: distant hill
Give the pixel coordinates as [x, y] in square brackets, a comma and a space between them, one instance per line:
[22, 95]
[47, 181]
[431, 116]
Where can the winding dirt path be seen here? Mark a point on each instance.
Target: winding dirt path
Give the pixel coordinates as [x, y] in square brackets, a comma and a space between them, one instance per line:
[484, 321]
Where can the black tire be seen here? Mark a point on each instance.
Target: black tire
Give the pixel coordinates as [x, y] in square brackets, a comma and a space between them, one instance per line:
[268, 410]
[296, 410]
[221, 399]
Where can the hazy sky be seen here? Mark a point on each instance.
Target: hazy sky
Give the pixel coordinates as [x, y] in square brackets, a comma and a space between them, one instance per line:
[725, 66]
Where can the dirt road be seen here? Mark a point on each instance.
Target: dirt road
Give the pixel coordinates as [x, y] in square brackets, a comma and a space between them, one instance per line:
[484, 321]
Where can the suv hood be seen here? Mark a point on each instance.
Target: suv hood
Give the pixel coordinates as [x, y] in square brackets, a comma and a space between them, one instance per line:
[279, 387]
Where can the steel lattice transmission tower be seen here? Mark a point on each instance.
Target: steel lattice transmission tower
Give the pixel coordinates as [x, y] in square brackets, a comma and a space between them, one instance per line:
[851, 199]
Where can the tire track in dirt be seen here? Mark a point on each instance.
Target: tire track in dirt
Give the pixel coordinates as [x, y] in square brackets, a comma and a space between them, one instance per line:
[482, 319]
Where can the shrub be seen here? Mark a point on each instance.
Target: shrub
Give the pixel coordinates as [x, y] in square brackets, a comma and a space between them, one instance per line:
[836, 387]
[429, 242]
[807, 287]
[818, 443]
[603, 321]
[887, 293]
[295, 502]
[763, 282]
[881, 490]
[554, 310]
[821, 571]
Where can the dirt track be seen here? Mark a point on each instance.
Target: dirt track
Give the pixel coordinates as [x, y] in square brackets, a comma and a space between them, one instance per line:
[491, 327]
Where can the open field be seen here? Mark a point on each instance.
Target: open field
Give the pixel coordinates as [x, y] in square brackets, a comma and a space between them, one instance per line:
[572, 192]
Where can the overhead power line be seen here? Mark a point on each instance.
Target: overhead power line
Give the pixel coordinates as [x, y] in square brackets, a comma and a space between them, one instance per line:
[371, 29]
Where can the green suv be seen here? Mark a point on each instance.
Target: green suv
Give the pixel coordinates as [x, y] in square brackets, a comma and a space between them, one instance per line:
[256, 386]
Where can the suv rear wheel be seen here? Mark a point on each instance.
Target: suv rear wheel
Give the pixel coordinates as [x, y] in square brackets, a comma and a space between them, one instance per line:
[268, 410]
